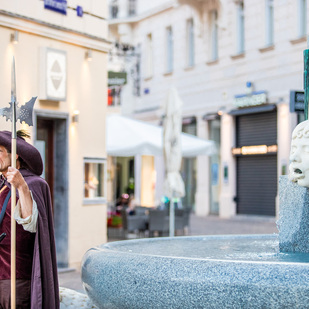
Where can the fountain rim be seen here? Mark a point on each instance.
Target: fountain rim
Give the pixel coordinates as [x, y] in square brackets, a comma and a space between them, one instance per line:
[223, 236]
[109, 248]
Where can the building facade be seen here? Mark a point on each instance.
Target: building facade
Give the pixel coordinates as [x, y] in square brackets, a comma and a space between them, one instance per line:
[60, 50]
[235, 65]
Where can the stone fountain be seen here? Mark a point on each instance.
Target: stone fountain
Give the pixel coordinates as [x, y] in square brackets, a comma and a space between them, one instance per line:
[265, 271]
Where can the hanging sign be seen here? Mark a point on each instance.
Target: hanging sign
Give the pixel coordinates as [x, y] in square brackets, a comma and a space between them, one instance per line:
[117, 78]
[59, 6]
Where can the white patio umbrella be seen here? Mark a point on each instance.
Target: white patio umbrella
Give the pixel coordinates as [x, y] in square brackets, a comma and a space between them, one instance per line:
[173, 184]
[127, 137]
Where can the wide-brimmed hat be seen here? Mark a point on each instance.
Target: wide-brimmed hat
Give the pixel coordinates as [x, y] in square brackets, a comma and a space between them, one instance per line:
[26, 151]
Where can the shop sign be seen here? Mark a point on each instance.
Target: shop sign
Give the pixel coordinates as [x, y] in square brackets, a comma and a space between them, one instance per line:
[297, 101]
[254, 150]
[53, 74]
[253, 99]
[59, 6]
[117, 78]
[225, 173]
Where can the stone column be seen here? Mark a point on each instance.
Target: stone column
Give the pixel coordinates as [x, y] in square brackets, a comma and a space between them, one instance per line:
[227, 207]
[137, 178]
[202, 175]
[284, 141]
[159, 189]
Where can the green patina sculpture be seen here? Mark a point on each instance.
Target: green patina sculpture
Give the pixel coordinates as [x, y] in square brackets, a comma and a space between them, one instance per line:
[306, 81]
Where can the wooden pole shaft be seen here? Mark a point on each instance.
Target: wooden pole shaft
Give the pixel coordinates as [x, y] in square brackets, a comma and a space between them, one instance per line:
[13, 232]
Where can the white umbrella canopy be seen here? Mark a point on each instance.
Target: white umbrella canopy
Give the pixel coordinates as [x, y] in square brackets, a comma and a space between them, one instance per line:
[173, 184]
[127, 137]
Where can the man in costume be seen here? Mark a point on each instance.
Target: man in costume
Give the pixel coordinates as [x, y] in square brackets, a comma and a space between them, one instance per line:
[36, 267]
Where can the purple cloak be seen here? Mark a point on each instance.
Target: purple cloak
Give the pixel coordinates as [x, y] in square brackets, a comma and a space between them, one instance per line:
[44, 279]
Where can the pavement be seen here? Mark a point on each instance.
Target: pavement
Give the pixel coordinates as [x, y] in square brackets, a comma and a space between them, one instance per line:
[210, 225]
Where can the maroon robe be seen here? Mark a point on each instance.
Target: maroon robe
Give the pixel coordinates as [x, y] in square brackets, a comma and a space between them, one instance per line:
[44, 277]
[24, 246]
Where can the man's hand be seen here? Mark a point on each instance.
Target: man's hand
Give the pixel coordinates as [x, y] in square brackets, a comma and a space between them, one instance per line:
[15, 178]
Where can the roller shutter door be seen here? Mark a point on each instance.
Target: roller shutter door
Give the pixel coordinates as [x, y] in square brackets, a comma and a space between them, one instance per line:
[256, 174]
[256, 185]
[256, 129]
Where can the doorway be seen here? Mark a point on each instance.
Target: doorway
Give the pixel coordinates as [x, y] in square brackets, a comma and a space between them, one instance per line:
[52, 142]
[256, 182]
[45, 138]
[214, 160]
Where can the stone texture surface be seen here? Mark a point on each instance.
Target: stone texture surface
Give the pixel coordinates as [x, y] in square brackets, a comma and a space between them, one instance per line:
[293, 223]
[204, 272]
[70, 299]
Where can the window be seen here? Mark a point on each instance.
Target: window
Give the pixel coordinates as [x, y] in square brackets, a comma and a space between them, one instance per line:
[169, 50]
[149, 60]
[94, 181]
[240, 28]
[131, 7]
[214, 35]
[116, 80]
[190, 42]
[114, 9]
[114, 98]
[269, 23]
[302, 18]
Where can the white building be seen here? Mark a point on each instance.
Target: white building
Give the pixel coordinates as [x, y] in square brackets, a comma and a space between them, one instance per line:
[234, 64]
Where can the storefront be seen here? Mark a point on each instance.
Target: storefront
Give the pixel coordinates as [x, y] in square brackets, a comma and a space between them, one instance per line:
[188, 167]
[213, 121]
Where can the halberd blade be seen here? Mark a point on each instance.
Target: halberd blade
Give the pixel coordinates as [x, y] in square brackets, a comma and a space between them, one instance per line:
[24, 113]
[6, 112]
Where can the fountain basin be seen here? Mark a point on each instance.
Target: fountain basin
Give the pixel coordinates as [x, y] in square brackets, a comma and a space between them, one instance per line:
[242, 271]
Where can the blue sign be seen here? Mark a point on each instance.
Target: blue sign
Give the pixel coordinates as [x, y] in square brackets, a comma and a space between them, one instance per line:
[79, 11]
[59, 6]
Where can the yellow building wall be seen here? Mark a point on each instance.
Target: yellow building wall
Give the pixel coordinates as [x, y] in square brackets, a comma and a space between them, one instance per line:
[87, 140]
[147, 181]
[86, 92]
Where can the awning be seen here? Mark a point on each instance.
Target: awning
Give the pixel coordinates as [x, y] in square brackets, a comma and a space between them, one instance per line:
[126, 137]
[253, 110]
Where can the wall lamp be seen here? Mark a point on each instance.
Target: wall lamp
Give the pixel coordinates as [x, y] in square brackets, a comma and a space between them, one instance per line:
[88, 55]
[75, 117]
[14, 37]
[221, 110]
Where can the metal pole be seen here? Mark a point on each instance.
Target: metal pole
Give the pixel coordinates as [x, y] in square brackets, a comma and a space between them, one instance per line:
[172, 217]
[306, 81]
